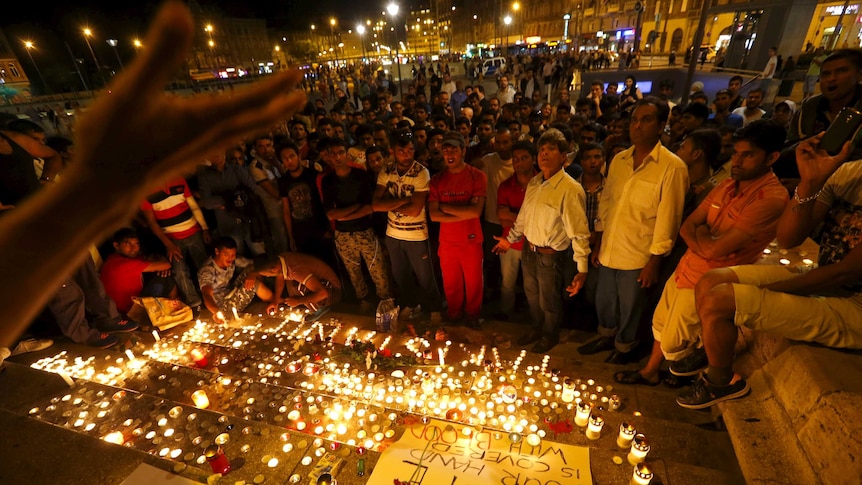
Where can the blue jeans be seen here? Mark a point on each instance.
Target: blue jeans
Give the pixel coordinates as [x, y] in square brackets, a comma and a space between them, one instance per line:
[620, 302]
[194, 252]
[543, 283]
[410, 259]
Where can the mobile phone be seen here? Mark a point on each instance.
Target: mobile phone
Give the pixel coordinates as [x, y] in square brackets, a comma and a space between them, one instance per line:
[844, 128]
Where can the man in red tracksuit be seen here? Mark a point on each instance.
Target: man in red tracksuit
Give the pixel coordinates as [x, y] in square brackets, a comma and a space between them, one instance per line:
[456, 201]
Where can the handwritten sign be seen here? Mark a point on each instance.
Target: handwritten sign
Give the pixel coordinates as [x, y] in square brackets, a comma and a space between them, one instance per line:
[439, 453]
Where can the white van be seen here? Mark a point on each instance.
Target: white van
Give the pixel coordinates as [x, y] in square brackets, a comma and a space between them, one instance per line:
[493, 66]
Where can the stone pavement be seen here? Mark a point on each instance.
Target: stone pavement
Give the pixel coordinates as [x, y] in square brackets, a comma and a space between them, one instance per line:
[50, 438]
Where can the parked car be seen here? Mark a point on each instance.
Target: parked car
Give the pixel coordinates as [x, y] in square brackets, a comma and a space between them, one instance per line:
[493, 66]
[710, 53]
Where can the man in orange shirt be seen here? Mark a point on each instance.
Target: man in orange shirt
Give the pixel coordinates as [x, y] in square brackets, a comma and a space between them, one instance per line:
[730, 227]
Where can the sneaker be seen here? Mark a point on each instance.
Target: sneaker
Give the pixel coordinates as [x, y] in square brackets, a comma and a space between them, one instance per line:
[120, 326]
[31, 345]
[691, 365]
[703, 394]
[104, 341]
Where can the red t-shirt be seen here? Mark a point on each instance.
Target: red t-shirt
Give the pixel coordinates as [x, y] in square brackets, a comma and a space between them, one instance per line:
[123, 278]
[459, 188]
[511, 195]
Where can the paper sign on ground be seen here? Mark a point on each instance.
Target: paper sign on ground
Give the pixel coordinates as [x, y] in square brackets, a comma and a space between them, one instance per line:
[438, 453]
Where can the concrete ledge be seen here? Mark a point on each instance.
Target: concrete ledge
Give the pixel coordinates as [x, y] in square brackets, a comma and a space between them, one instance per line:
[767, 449]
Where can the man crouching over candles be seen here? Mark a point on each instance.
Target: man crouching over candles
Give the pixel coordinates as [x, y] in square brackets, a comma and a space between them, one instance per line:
[228, 282]
[309, 281]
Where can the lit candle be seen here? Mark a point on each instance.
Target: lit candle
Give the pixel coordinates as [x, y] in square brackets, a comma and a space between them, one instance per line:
[440, 356]
[594, 429]
[784, 261]
[568, 394]
[199, 357]
[156, 335]
[200, 399]
[639, 449]
[235, 314]
[116, 438]
[217, 459]
[130, 355]
[642, 475]
[627, 434]
[582, 415]
[533, 439]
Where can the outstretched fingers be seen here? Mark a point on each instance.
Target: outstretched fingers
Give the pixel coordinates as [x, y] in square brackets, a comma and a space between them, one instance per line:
[255, 97]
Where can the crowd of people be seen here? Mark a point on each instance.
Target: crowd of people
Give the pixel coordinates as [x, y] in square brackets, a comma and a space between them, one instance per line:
[650, 213]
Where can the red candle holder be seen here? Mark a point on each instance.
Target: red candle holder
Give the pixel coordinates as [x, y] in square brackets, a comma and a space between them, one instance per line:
[200, 358]
[217, 459]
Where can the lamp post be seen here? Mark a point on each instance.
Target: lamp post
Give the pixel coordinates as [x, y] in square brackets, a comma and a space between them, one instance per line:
[87, 34]
[113, 44]
[360, 29]
[507, 20]
[29, 45]
[392, 8]
[332, 43]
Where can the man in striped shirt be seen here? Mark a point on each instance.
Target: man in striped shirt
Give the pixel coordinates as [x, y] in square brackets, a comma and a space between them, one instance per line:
[175, 218]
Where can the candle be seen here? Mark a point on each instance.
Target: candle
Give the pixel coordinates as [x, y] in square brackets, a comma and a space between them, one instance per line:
[440, 356]
[568, 394]
[582, 415]
[235, 314]
[199, 357]
[156, 335]
[219, 316]
[130, 355]
[642, 475]
[627, 434]
[639, 449]
[533, 439]
[217, 459]
[116, 438]
[594, 429]
[200, 399]
[67, 378]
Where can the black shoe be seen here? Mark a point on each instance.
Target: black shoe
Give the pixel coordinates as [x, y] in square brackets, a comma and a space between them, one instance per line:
[598, 345]
[690, 365]
[703, 394]
[530, 337]
[621, 358]
[544, 345]
[121, 326]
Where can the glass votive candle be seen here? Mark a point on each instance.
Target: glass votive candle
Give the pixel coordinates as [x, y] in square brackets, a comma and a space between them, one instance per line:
[594, 429]
[200, 358]
[217, 459]
[642, 474]
[582, 415]
[568, 394]
[627, 434]
[639, 449]
[200, 399]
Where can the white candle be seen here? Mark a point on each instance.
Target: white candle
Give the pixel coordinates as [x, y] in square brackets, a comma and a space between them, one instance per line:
[235, 314]
[642, 475]
[116, 438]
[156, 335]
[130, 355]
[568, 394]
[639, 449]
[440, 355]
[67, 378]
[627, 434]
[594, 429]
[200, 399]
[582, 415]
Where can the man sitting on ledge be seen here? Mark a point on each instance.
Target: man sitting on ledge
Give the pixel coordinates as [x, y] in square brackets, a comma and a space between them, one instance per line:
[822, 305]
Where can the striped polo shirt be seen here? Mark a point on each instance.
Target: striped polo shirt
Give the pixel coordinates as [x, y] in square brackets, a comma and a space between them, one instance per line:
[172, 211]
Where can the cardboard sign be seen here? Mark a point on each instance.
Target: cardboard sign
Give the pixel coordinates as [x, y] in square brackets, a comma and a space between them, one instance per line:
[439, 453]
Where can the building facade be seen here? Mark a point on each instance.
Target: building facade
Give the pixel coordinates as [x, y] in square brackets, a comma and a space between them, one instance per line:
[14, 83]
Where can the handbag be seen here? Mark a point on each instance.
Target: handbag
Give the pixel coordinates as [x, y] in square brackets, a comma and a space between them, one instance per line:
[164, 313]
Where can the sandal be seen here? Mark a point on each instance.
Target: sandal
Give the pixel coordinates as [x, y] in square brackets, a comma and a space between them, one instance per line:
[633, 377]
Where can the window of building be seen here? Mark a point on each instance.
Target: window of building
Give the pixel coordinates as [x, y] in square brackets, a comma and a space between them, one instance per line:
[14, 70]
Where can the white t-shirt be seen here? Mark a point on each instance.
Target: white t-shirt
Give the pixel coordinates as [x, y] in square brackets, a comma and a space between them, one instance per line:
[416, 179]
[771, 66]
[749, 117]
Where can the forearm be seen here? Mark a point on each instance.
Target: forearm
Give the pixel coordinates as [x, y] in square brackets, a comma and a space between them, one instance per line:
[34, 229]
[386, 205]
[438, 215]
[196, 212]
[360, 212]
[799, 220]
[820, 279]
[339, 213]
[462, 212]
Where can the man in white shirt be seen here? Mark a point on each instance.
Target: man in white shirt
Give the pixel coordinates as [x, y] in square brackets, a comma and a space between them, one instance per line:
[639, 217]
[401, 191]
[751, 111]
[552, 218]
[505, 92]
[448, 84]
[771, 64]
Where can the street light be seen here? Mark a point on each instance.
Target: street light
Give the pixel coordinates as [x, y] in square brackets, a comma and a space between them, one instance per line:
[113, 44]
[87, 34]
[29, 45]
[516, 7]
[508, 21]
[137, 44]
[392, 8]
[360, 29]
[332, 23]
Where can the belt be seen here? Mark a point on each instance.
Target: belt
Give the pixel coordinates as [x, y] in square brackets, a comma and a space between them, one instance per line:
[541, 249]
